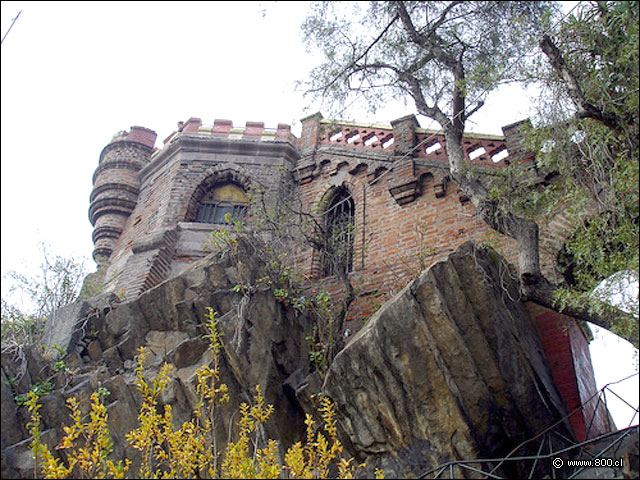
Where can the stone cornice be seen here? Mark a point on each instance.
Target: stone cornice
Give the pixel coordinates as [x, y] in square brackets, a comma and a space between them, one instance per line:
[348, 152]
[221, 145]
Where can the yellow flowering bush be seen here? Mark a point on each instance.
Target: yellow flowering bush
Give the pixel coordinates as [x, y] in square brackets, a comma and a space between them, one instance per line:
[189, 451]
[88, 460]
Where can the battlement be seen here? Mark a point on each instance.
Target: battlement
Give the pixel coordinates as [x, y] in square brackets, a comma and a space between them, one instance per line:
[480, 149]
[137, 134]
[415, 158]
[225, 128]
[403, 137]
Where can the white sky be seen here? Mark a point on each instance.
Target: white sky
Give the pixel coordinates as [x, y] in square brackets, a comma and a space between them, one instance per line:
[75, 73]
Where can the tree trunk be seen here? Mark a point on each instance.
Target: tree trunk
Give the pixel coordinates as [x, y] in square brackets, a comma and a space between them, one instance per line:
[523, 230]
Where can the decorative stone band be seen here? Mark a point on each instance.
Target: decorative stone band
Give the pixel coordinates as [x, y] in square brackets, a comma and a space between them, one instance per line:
[106, 231]
[104, 187]
[104, 238]
[111, 204]
[116, 165]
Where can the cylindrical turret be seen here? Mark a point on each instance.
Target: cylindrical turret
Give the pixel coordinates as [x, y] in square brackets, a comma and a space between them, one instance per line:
[116, 186]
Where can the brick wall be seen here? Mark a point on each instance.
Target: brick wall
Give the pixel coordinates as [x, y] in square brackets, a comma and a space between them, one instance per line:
[392, 242]
[567, 351]
[408, 211]
[147, 247]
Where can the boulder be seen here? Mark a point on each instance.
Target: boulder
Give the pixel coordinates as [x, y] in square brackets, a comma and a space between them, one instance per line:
[451, 368]
[69, 324]
[12, 430]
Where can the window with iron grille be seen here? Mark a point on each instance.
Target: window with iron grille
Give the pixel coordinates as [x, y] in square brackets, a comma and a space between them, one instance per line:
[339, 218]
[222, 199]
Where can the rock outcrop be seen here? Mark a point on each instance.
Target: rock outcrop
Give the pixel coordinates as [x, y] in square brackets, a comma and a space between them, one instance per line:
[451, 368]
[264, 344]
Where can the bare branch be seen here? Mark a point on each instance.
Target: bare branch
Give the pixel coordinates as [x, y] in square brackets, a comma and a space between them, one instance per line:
[478, 106]
[433, 112]
[443, 17]
[585, 108]
[360, 57]
[429, 41]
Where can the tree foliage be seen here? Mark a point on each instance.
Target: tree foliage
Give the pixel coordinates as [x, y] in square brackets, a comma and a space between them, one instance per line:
[383, 51]
[587, 142]
[56, 283]
[446, 57]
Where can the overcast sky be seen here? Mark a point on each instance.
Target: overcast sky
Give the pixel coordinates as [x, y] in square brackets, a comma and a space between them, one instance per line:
[75, 73]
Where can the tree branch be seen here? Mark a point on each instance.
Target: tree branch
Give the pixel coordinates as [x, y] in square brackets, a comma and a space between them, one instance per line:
[421, 104]
[360, 57]
[585, 108]
[425, 41]
[443, 17]
[478, 106]
[543, 294]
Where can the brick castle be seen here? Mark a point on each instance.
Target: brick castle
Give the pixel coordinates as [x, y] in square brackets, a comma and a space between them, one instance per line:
[152, 210]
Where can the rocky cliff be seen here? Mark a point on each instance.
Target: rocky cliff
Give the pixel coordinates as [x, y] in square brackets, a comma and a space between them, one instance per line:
[451, 368]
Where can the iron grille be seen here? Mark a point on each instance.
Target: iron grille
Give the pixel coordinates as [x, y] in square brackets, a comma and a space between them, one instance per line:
[215, 212]
[339, 218]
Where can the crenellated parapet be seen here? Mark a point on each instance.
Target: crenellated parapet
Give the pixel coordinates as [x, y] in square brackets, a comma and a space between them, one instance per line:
[140, 192]
[407, 152]
[403, 137]
[223, 128]
[116, 186]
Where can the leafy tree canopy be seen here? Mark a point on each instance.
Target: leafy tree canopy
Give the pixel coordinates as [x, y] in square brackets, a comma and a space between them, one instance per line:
[383, 51]
[586, 137]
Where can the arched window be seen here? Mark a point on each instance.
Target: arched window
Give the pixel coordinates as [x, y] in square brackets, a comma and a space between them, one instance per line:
[339, 219]
[220, 200]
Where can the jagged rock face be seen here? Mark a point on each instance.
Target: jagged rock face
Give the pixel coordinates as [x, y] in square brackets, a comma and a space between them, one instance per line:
[263, 344]
[451, 368]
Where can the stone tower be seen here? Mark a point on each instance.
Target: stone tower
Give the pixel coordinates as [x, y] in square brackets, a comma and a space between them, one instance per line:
[116, 186]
